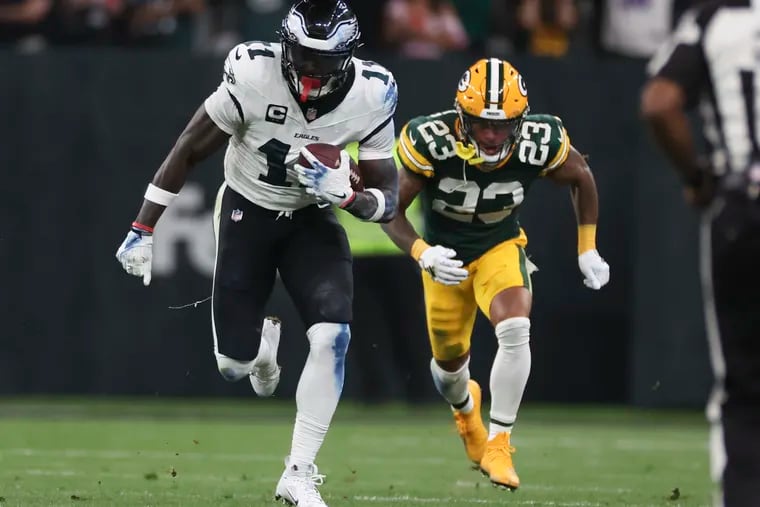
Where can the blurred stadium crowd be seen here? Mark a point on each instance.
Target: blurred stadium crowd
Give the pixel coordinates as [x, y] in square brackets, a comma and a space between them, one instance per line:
[413, 28]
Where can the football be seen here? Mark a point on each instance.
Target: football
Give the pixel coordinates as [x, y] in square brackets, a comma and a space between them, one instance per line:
[329, 154]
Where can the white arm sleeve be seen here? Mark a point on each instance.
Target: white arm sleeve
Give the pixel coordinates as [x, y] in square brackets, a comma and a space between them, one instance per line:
[379, 145]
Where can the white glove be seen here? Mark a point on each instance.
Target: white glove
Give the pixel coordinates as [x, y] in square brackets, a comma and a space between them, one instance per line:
[593, 267]
[136, 254]
[325, 183]
[440, 263]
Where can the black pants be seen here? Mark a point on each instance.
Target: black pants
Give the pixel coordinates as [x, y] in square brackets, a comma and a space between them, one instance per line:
[735, 264]
[309, 249]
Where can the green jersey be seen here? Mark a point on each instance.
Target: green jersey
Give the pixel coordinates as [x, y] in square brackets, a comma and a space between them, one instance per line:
[465, 208]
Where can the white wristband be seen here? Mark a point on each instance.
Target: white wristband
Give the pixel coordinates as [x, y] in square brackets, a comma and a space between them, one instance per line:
[159, 195]
[380, 196]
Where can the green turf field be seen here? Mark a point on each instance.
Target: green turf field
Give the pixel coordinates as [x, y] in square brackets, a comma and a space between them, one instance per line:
[208, 453]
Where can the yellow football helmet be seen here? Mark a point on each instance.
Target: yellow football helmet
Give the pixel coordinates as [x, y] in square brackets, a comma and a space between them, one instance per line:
[492, 102]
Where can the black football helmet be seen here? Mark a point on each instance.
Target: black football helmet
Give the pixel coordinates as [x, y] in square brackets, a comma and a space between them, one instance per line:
[318, 40]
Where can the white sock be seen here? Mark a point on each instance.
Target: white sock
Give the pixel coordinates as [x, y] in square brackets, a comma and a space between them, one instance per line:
[319, 389]
[509, 373]
[453, 385]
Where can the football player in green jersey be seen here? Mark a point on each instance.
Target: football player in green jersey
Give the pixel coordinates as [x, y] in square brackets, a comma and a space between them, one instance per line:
[473, 167]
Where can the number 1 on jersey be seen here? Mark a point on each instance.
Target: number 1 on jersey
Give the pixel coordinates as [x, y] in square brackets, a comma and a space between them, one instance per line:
[276, 151]
[369, 74]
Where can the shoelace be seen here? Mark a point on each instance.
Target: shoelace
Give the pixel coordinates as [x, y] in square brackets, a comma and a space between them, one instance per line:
[286, 214]
[508, 450]
[310, 483]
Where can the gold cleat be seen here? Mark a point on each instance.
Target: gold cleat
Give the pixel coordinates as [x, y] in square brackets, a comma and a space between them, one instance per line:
[497, 463]
[470, 426]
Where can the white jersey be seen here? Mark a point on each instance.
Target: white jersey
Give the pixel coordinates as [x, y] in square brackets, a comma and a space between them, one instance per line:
[268, 127]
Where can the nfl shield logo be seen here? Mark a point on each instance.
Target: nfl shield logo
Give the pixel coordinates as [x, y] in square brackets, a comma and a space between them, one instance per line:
[237, 215]
[311, 113]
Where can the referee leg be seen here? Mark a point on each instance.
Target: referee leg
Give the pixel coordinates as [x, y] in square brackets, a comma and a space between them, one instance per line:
[736, 289]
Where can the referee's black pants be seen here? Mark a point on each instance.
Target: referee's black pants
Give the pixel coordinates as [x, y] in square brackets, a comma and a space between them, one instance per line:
[731, 285]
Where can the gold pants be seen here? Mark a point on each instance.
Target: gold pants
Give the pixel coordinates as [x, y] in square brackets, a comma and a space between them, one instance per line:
[451, 309]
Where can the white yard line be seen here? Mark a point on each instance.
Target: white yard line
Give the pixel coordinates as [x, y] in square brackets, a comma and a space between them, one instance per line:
[623, 445]
[547, 487]
[165, 474]
[423, 500]
[677, 443]
[160, 474]
[650, 446]
[124, 454]
[194, 455]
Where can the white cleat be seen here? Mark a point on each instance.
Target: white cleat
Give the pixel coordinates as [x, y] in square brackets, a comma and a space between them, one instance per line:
[266, 372]
[298, 486]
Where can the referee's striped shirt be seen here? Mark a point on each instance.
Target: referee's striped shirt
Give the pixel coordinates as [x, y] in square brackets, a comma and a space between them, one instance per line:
[714, 55]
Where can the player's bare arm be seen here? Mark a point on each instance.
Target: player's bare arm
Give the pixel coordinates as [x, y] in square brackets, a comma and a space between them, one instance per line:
[381, 175]
[200, 138]
[400, 229]
[439, 261]
[576, 173]
[663, 104]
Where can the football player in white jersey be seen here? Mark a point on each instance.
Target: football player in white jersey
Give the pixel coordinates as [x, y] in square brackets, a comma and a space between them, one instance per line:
[272, 214]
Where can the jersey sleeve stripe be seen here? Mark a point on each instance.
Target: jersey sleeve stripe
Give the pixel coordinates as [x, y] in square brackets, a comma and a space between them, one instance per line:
[562, 153]
[411, 152]
[376, 130]
[238, 106]
[409, 160]
[412, 164]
